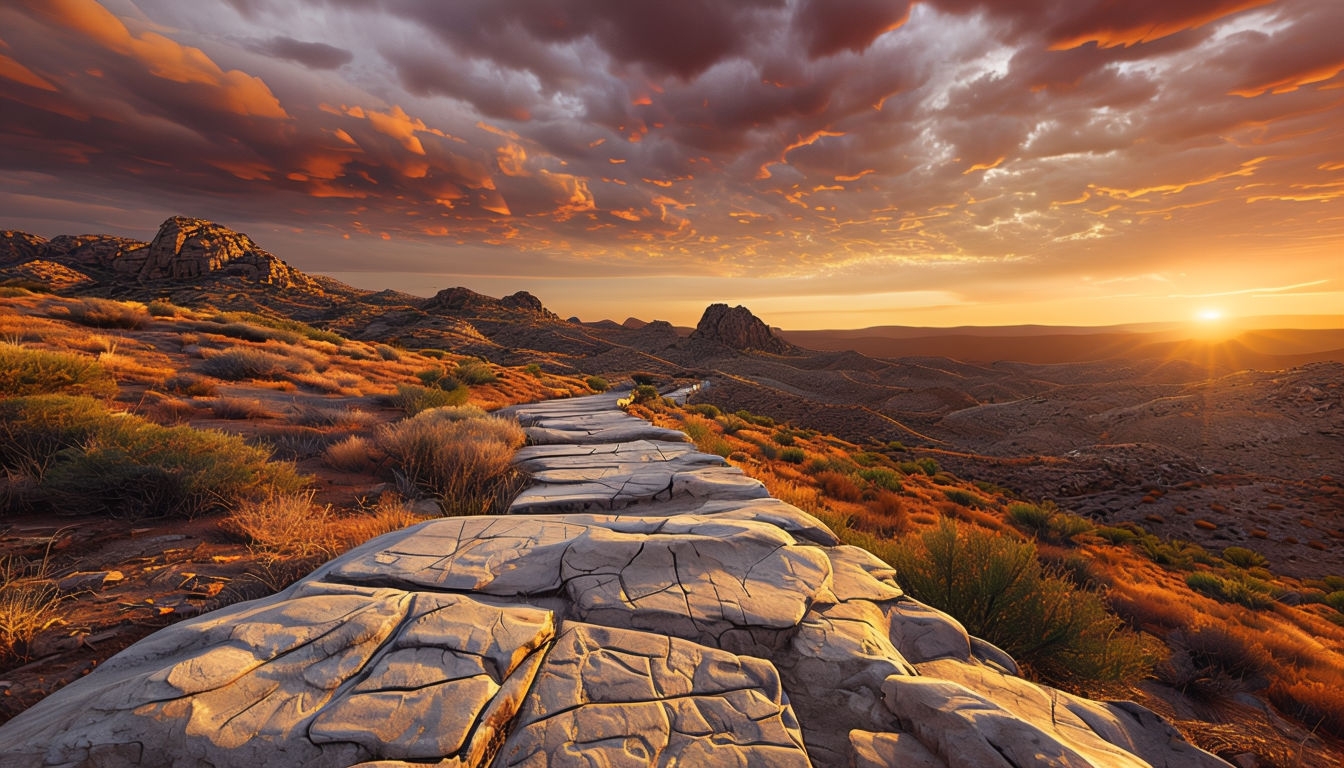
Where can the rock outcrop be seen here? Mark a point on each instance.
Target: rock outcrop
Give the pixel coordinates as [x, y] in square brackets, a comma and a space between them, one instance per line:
[185, 251]
[644, 605]
[737, 328]
[464, 302]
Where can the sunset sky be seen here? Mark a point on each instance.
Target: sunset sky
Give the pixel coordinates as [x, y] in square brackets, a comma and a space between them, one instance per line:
[828, 163]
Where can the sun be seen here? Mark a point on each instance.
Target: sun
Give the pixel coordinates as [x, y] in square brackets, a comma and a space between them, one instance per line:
[1209, 315]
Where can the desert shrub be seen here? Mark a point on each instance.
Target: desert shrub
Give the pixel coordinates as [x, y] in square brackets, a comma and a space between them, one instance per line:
[240, 364]
[163, 308]
[1031, 518]
[1319, 704]
[238, 408]
[135, 468]
[1335, 600]
[33, 430]
[1177, 553]
[458, 454]
[706, 438]
[881, 477]
[597, 383]
[962, 497]
[755, 419]
[1243, 557]
[838, 486]
[192, 386]
[707, 410]
[391, 354]
[249, 332]
[643, 379]
[533, 370]
[928, 466]
[731, 424]
[35, 372]
[102, 313]
[793, 455]
[645, 393]
[436, 377]
[783, 437]
[285, 524]
[349, 455]
[474, 372]
[888, 514]
[291, 329]
[1116, 535]
[1243, 590]
[412, 399]
[998, 589]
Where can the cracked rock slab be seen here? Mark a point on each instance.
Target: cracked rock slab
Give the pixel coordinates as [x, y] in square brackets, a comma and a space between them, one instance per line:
[315, 677]
[689, 576]
[610, 697]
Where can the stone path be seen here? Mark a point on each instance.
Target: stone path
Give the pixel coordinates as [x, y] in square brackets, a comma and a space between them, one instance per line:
[645, 604]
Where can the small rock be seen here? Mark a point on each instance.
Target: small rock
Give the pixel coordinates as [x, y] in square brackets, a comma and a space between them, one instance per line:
[89, 580]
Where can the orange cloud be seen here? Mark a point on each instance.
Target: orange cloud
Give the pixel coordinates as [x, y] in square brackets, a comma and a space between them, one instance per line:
[13, 70]
[983, 166]
[237, 91]
[512, 160]
[1293, 82]
[1124, 26]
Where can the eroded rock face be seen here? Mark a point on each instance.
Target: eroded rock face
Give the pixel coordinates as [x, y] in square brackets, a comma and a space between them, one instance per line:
[643, 605]
[186, 248]
[738, 328]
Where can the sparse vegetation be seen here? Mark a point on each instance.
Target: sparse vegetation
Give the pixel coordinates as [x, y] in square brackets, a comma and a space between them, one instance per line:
[284, 525]
[458, 454]
[80, 454]
[238, 364]
[998, 589]
[37, 372]
[412, 399]
[102, 313]
[474, 373]
[597, 383]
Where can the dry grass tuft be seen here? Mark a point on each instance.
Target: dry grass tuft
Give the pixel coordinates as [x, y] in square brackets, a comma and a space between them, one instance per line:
[353, 454]
[102, 313]
[458, 454]
[239, 408]
[286, 525]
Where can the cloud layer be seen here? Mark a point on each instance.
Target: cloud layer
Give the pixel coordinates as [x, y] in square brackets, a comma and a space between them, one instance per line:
[952, 147]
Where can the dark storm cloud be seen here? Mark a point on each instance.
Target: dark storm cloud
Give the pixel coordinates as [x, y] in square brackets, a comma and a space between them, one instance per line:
[314, 55]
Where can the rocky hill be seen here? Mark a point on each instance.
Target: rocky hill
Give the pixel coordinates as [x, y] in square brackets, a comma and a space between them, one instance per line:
[737, 328]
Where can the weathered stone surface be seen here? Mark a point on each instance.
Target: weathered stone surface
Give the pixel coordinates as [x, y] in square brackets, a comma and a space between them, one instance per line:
[883, 750]
[686, 576]
[616, 698]
[320, 675]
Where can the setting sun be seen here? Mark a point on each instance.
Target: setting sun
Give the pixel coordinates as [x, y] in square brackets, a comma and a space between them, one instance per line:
[1209, 315]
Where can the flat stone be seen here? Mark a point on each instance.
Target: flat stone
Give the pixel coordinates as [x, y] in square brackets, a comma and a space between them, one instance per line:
[319, 676]
[688, 576]
[609, 697]
[884, 750]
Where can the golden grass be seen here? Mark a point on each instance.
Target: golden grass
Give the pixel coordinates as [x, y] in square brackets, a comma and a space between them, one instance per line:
[288, 525]
[353, 454]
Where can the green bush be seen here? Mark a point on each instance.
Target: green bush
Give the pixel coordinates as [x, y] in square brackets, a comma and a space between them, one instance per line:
[1243, 557]
[705, 409]
[998, 589]
[102, 313]
[391, 354]
[1116, 535]
[1030, 517]
[1177, 553]
[929, 466]
[881, 477]
[597, 383]
[962, 497]
[162, 308]
[533, 370]
[793, 455]
[755, 419]
[474, 372]
[411, 399]
[1243, 590]
[35, 372]
[241, 363]
[731, 424]
[644, 379]
[1336, 600]
[645, 393]
[783, 437]
[459, 454]
[85, 457]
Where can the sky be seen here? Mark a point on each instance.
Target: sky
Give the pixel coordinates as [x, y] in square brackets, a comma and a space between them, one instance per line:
[828, 163]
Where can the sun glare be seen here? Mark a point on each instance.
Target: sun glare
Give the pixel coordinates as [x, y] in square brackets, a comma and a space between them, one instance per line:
[1209, 315]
